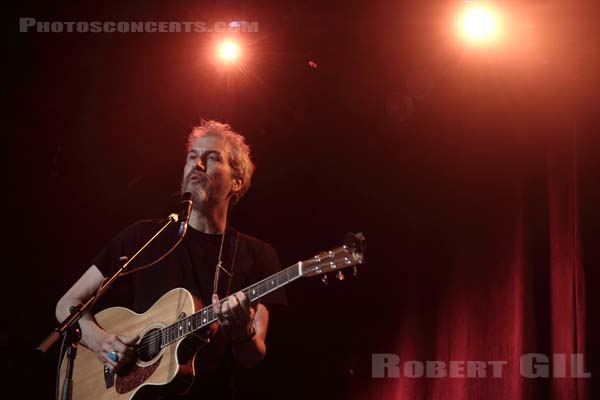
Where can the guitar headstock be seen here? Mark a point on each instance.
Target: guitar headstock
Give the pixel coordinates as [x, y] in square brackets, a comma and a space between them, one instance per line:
[351, 253]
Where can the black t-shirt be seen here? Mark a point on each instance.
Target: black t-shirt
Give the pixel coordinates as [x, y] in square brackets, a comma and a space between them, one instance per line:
[191, 265]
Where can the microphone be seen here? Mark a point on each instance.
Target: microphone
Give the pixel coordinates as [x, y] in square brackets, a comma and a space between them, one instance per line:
[184, 215]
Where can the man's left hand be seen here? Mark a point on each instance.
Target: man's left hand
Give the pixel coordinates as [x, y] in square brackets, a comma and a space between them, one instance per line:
[235, 315]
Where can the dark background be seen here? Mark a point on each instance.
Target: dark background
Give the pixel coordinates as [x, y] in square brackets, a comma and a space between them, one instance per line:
[400, 132]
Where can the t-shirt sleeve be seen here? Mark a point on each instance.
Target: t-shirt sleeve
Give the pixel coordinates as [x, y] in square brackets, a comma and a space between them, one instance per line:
[125, 244]
[267, 264]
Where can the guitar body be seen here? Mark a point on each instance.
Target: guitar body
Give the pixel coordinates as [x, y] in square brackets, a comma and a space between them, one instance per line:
[159, 371]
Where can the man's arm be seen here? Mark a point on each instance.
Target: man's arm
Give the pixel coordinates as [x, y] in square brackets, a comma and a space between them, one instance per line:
[245, 325]
[250, 352]
[92, 336]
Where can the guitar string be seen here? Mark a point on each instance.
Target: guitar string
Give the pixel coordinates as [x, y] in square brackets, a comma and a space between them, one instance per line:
[208, 311]
[210, 317]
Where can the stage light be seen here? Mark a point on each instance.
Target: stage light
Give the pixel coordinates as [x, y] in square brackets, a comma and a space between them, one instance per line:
[229, 51]
[479, 23]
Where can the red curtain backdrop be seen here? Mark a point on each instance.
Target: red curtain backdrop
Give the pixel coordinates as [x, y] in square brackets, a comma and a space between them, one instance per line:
[512, 281]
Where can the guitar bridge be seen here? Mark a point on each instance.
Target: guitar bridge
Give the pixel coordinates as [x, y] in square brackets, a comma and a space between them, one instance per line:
[109, 377]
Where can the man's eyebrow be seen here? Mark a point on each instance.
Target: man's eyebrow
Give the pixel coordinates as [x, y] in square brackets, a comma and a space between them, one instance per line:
[206, 152]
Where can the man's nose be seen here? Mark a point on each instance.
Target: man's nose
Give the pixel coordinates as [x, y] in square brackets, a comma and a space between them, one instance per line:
[200, 164]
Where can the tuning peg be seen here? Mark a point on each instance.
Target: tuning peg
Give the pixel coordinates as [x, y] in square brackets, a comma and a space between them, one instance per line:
[340, 276]
[355, 271]
[324, 280]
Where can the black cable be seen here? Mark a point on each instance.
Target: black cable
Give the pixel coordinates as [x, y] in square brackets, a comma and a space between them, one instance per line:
[155, 261]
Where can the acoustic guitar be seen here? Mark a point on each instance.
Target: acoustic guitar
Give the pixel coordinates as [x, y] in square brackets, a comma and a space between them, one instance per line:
[172, 331]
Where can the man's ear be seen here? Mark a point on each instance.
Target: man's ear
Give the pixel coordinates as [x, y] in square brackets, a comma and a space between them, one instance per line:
[236, 185]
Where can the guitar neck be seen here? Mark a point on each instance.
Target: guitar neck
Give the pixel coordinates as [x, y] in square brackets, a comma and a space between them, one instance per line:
[350, 254]
[206, 316]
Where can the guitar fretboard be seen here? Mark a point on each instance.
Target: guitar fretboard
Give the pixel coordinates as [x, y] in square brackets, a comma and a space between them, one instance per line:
[206, 316]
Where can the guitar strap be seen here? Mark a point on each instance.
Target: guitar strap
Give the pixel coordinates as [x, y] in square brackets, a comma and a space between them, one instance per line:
[232, 253]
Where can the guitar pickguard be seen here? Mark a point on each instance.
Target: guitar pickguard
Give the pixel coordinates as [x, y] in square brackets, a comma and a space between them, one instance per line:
[135, 377]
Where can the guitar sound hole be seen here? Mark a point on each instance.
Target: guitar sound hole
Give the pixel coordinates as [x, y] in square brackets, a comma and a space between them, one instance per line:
[149, 346]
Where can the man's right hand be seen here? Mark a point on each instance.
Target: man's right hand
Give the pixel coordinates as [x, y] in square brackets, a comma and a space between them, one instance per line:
[115, 351]
[112, 350]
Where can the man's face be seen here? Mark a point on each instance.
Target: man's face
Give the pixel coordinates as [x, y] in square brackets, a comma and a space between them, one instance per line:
[207, 174]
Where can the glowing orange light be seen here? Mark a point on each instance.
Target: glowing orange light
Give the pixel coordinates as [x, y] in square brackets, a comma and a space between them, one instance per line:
[479, 23]
[229, 51]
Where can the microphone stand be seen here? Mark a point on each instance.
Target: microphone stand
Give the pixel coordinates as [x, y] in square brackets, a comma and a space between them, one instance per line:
[70, 324]
[72, 339]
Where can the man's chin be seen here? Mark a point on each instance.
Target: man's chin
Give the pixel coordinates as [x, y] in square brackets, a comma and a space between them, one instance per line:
[194, 187]
[199, 199]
